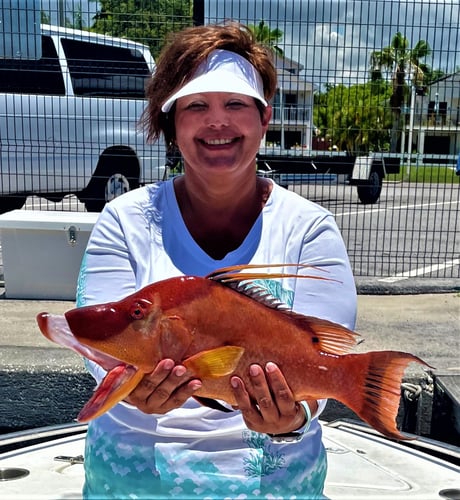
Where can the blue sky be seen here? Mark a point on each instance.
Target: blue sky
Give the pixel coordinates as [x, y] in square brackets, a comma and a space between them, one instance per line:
[332, 39]
[69, 7]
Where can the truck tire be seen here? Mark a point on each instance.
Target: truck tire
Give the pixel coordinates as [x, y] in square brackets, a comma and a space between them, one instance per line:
[115, 174]
[369, 190]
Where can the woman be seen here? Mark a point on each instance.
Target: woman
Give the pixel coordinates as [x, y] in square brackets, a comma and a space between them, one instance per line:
[210, 98]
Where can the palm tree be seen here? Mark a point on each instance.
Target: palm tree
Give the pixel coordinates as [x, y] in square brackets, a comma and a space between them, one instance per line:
[404, 63]
[266, 36]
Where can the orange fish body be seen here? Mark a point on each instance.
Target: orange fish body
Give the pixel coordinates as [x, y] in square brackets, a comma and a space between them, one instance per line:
[218, 332]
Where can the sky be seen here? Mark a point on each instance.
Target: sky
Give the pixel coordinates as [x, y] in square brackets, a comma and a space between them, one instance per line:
[333, 39]
[57, 9]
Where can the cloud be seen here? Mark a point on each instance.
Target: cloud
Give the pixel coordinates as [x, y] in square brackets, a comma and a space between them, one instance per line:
[333, 39]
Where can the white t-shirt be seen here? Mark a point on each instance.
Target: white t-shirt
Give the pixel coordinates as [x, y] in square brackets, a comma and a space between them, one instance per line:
[141, 238]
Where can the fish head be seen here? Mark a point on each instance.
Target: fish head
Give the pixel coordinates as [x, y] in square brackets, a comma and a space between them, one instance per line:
[131, 330]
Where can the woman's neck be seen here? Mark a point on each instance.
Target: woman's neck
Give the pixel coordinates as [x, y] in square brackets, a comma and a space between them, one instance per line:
[219, 217]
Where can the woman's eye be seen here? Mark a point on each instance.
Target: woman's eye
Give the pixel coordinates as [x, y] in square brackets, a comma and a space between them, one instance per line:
[236, 104]
[196, 106]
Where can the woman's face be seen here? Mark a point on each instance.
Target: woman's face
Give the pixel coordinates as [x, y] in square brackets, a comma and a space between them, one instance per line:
[219, 132]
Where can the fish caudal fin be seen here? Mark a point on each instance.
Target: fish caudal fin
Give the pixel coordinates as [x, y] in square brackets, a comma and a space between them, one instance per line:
[377, 402]
[116, 385]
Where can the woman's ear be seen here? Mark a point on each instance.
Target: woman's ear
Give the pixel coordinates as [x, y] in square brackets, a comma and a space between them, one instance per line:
[266, 116]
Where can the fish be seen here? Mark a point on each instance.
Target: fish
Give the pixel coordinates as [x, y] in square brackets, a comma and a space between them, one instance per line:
[219, 325]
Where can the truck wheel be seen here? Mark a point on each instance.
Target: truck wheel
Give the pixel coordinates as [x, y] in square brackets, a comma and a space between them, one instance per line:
[369, 191]
[115, 175]
[12, 202]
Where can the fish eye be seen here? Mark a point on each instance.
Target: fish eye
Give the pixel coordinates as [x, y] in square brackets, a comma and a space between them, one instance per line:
[137, 311]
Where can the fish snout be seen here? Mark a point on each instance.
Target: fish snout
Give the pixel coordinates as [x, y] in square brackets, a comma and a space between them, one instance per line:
[96, 323]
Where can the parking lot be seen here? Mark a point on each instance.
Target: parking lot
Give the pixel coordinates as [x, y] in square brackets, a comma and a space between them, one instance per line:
[410, 235]
[412, 232]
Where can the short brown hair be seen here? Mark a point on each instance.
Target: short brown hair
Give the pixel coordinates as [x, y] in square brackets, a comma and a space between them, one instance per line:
[180, 58]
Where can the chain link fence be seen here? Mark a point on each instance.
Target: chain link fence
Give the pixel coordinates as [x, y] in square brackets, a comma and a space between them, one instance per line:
[366, 118]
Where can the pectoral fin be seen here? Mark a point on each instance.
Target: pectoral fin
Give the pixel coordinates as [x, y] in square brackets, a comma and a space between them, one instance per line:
[215, 363]
[116, 385]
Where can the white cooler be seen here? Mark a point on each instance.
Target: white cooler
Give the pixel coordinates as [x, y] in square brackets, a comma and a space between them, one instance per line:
[42, 252]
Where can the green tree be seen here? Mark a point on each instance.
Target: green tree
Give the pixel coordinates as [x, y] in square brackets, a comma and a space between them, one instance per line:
[403, 63]
[143, 21]
[355, 118]
[267, 36]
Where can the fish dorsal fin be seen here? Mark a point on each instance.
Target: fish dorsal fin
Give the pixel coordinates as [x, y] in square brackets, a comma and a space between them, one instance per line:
[258, 293]
[327, 336]
[233, 273]
[243, 282]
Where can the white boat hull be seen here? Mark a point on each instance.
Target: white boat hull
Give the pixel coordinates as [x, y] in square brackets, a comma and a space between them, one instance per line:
[362, 465]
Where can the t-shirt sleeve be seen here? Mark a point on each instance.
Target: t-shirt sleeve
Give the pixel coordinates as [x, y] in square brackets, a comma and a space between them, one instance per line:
[334, 297]
[107, 270]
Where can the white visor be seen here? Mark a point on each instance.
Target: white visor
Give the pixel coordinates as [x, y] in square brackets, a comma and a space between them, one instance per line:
[223, 71]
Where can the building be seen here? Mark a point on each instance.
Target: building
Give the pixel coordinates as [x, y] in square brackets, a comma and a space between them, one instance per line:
[436, 123]
[291, 126]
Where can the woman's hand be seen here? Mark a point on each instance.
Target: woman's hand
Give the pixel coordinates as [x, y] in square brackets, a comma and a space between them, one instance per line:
[272, 408]
[166, 388]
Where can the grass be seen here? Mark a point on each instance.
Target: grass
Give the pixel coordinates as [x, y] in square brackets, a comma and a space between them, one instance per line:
[438, 174]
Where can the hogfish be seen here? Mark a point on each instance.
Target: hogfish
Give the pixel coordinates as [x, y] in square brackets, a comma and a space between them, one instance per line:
[217, 326]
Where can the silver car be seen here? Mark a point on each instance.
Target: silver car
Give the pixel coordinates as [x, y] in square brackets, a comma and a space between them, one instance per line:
[69, 120]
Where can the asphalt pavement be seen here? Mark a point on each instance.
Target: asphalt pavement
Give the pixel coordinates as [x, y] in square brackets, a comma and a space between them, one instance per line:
[42, 383]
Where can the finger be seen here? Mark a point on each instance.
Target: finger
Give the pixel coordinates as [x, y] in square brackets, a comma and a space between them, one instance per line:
[161, 389]
[248, 409]
[151, 381]
[262, 394]
[282, 394]
[171, 400]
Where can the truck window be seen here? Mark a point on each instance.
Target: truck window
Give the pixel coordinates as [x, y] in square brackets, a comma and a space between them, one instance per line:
[104, 70]
[40, 76]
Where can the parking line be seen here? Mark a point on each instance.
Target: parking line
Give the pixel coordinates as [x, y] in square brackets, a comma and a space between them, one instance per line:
[413, 273]
[400, 207]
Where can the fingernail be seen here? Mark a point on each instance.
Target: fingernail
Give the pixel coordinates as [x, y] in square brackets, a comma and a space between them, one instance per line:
[179, 371]
[234, 383]
[168, 364]
[270, 367]
[254, 370]
[196, 385]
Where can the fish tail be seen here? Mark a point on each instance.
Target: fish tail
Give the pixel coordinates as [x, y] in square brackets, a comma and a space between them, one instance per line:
[380, 374]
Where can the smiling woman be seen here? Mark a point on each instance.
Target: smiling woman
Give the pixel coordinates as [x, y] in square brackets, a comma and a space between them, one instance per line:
[209, 98]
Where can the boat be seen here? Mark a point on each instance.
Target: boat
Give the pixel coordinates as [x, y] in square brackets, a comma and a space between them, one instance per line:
[47, 463]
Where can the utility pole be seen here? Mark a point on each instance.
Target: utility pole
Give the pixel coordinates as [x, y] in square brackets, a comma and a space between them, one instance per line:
[411, 127]
[61, 12]
[198, 12]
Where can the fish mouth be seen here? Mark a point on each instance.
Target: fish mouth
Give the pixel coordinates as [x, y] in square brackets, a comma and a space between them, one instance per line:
[56, 329]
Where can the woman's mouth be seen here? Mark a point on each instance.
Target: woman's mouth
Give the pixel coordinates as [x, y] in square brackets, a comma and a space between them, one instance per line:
[219, 142]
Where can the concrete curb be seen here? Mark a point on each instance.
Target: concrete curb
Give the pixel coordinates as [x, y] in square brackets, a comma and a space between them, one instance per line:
[409, 286]
[387, 286]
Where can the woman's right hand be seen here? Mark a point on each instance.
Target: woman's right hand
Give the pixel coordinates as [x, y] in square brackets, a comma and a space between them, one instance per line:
[164, 389]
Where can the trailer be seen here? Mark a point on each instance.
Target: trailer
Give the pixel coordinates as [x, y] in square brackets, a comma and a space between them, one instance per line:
[366, 172]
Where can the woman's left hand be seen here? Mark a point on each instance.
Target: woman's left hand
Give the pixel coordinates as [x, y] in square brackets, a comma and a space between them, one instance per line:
[268, 406]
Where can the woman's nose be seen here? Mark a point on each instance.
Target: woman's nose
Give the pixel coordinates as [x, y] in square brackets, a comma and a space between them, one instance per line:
[217, 118]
